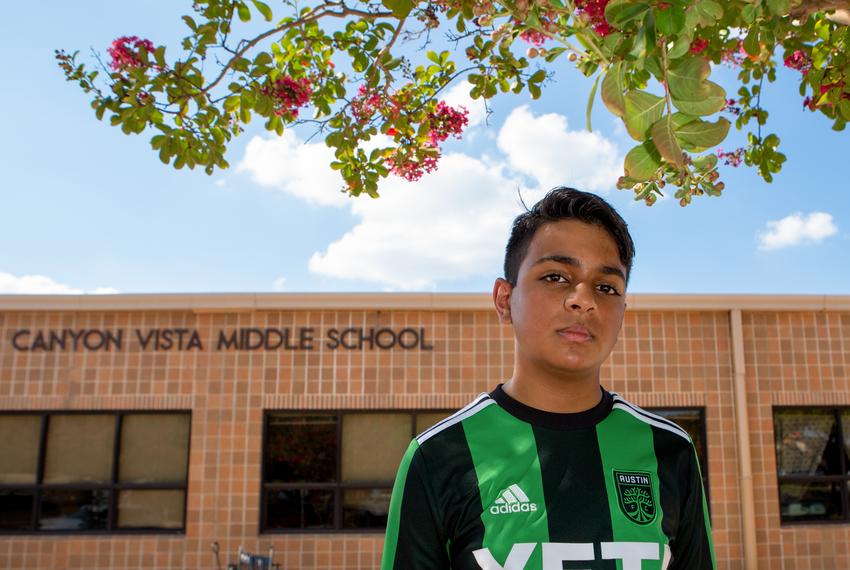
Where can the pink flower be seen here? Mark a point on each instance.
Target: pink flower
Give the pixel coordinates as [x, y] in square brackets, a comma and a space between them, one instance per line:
[799, 61]
[409, 167]
[125, 52]
[365, 104]
[446, 121]
[593, 11]
[288, 94]
[698, 45]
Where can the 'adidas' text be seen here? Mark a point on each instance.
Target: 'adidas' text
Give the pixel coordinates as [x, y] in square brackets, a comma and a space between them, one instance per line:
[513, 500]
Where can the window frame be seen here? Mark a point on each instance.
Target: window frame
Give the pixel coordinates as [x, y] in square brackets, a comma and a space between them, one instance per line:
[337, 486]
[113, 486]
[844, 477]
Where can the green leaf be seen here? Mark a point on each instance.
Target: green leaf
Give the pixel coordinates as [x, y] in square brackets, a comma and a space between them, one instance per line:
[751, 42]
[642, 110]
[665, 141]
[712, 102]
[612, 90]
[705, 162]
[669, 21]
[621, 12]
[244, 12]
[399, 8]
[680, 46]
[263, 9]
[700, 135]
[844, 108]
[779, 7]
[750, 11]
[642, 161]
[232, 103]
[687, 78]
[190, 22]
[705, 13]
[590, 99]
[263, 58]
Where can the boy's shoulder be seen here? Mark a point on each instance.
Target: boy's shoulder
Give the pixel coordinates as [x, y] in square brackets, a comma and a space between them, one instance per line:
[669, 439]
[445, 428]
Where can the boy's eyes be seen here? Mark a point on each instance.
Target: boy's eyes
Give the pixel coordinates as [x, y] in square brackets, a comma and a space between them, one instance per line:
[604, 288]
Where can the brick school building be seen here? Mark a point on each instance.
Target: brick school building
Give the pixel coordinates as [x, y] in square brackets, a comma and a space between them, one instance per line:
[138, 430]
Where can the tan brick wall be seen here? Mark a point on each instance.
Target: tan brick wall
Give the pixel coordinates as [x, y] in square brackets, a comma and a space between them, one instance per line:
[663, 358]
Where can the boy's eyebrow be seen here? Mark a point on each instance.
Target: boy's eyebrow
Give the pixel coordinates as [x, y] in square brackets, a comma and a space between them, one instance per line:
[567, 260]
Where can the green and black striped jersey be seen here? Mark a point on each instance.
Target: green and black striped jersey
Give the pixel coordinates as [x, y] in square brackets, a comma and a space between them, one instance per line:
[500, 485]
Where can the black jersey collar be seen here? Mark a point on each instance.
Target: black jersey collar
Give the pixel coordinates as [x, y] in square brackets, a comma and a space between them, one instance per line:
[554, 420]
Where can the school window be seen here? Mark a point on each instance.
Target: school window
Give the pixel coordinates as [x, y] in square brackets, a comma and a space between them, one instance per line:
[334, 471]
[93, 472]
[813, 468]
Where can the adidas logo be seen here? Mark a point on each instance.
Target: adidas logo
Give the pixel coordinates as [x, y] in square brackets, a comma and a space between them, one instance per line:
[513, 500]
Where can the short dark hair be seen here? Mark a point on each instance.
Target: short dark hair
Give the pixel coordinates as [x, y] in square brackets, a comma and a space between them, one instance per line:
[565, 203]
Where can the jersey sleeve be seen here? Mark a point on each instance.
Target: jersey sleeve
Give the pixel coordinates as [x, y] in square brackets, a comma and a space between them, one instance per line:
[693, 548]
[415, 538]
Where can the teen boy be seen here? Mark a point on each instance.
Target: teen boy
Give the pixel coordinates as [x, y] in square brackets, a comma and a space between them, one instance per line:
[550, 471]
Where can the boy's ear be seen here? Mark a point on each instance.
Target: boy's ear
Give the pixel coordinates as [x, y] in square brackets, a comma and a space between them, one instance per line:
[502, 300]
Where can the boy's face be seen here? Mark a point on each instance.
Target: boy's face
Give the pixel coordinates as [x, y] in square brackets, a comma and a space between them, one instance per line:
[568, 303]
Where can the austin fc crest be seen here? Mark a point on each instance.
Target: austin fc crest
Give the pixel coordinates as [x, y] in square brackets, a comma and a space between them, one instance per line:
[634, 493]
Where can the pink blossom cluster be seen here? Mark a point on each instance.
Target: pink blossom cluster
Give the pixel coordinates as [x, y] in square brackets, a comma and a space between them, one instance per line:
[411, 169]
[538, 37]
[288, 94]
[798, 60]
[533, 37]
[698, 45]
[594, 12]
[734, 158]
[445, 121]
[365, 104]
[125, 52]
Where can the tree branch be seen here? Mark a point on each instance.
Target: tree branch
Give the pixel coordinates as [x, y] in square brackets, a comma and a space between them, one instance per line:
[312, 16]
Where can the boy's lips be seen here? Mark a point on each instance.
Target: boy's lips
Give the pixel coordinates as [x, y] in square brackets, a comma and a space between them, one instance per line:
[575, 333]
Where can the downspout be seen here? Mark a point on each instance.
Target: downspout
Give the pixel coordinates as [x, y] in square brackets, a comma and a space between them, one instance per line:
[742, 420]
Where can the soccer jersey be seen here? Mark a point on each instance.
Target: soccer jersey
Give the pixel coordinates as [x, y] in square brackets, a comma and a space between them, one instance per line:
[500, 485]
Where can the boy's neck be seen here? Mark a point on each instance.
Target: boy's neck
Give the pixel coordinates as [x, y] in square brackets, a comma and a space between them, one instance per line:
[558, 395]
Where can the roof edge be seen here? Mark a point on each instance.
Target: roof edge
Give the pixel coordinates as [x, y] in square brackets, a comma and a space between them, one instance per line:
[249, 302]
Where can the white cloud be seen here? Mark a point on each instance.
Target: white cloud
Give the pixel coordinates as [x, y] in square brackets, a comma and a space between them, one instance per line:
[280, 284]
[544, 149]
[796, 229]
[294, 167]
[451, 224]
[41, 285]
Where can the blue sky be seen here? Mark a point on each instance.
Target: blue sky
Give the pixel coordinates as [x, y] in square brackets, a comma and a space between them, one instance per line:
[86, 209]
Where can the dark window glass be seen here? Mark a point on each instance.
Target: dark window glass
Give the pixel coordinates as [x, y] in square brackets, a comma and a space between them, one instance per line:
[301, 449]
[807, 443]
[74, 510]
[810, 501]
[300, 509]
[66, 471]
[812, 464]
[16, 509]
[334, 471]
[365, 508]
